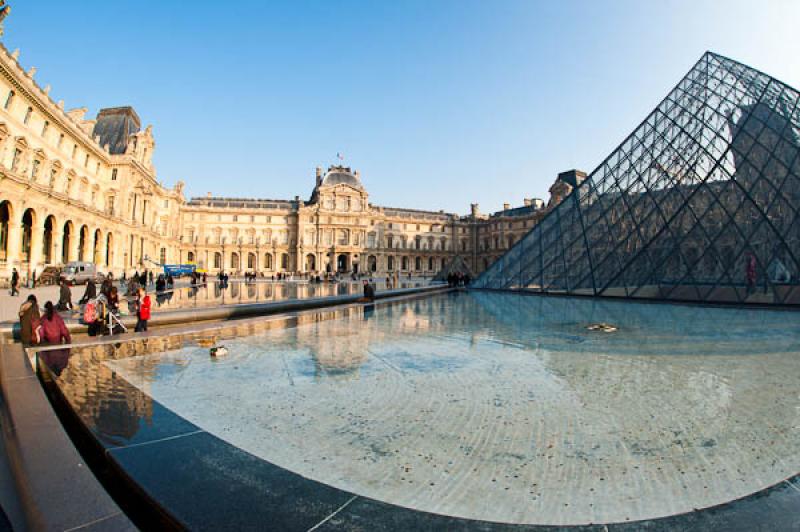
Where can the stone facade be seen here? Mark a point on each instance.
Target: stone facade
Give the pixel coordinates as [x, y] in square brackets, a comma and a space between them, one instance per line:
[73, 188]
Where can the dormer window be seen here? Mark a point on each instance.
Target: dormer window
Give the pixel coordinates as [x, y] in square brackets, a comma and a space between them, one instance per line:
[9, 100]
[28, 114]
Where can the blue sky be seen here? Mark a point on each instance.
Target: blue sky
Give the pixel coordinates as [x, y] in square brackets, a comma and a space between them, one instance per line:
[438, 103]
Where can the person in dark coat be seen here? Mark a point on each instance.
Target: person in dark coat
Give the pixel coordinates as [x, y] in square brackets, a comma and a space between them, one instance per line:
[14, 282]
[64, 297]
[90, 293]
[29, 320]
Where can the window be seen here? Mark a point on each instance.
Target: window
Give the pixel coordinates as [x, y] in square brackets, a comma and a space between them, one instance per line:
[44, 127]
[97, 168]
[74, 150]
[16, 160]
[113, 172]
[53, 175]
[60, 140]
[35, 168]
[28, 114]
[252, 219]
[9, 100]
[235, 218]
[163, 255]
[86, 161]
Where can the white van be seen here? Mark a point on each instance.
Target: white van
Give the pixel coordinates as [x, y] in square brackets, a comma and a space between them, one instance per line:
[79, 272]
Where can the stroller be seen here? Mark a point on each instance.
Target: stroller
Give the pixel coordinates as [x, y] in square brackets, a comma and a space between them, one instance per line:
[101, 319]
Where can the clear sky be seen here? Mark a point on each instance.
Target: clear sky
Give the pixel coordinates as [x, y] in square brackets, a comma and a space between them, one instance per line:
[438, 103]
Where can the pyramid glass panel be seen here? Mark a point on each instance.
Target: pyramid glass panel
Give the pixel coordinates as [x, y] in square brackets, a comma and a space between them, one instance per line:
[700, 203]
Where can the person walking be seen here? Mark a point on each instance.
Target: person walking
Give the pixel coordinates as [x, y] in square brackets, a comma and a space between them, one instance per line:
[64, 296]
[142, 311]
[53, 328]
[750, 272]
[14, 282]
[29, 321]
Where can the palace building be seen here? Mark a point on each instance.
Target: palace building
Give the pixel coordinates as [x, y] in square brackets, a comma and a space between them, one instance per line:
[74, 188]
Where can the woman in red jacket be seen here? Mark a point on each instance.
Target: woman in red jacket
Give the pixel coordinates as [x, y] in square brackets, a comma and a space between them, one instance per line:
[53, 328]
[143, 311]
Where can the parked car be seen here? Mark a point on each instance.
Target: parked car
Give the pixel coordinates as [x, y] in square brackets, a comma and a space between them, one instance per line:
[50, 275]
[79, 272]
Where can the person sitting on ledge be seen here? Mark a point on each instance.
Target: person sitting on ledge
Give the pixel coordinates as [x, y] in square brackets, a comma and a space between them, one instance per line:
[369, 291]
[53, 328]
[29, 321]
[90, 293]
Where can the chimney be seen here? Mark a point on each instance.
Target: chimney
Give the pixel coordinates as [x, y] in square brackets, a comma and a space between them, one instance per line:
[208, 194]
[506, 206]
[474, 209]
[528, 202]
[319, 175]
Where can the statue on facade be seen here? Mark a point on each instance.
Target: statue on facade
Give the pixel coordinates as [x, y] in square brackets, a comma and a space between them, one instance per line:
[5, 10]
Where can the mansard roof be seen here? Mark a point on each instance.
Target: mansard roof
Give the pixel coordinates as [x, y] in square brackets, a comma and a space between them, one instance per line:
[114, 126]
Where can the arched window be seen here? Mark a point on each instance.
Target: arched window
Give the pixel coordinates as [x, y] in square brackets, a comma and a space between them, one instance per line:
[218, 260]
[234, 261]
[5, 217]
[190, 257]
[251, 261]
[418, 263]
[285, 261]
[268, 261]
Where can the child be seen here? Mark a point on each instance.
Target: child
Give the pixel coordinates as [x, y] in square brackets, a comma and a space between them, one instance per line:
[143, 311]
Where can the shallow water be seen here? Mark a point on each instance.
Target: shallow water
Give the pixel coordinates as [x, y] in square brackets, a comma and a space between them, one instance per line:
[489, 406]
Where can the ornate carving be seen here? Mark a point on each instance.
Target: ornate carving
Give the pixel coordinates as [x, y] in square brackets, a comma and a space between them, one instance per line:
[5, 10]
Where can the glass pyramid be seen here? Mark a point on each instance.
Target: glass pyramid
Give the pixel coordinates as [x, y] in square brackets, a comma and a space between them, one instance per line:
[700, 203]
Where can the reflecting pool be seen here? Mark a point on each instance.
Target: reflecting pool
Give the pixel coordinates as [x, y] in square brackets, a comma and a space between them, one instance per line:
[491, 406]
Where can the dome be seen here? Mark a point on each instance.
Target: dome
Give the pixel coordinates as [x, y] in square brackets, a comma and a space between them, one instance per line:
[340, 175]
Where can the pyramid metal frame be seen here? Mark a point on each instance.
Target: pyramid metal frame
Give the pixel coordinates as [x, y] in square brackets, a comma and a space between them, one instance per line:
[700, 203]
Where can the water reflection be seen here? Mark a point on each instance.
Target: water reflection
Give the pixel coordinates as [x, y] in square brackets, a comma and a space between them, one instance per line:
[214, 294]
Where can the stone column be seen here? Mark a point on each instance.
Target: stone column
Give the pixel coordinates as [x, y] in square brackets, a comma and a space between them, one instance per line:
[58, 236]
[74, 241]
[101, 249]
[14, 245]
